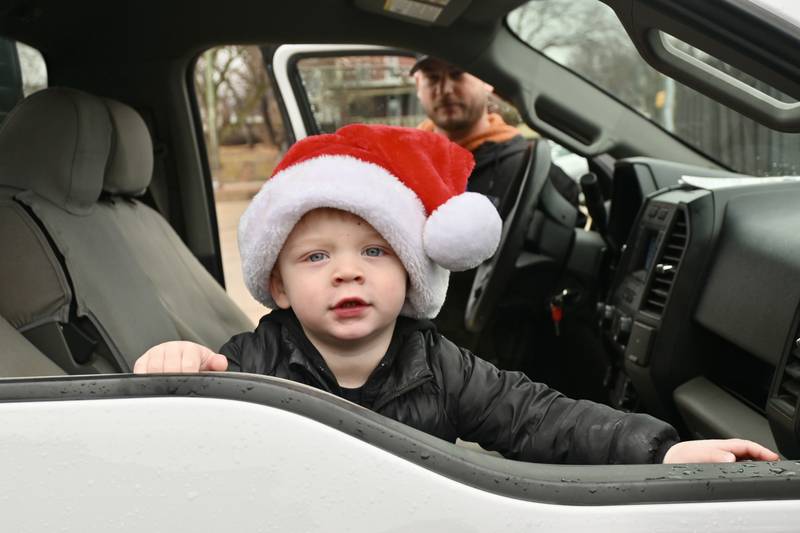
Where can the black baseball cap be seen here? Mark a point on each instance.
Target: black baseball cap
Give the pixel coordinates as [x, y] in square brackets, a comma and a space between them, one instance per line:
[422, 59]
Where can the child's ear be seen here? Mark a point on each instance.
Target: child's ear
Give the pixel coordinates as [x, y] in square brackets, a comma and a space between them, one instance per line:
[277, 290]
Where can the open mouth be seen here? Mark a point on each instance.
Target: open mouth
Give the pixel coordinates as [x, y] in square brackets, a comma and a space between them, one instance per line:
[350, 303]
[350, 308]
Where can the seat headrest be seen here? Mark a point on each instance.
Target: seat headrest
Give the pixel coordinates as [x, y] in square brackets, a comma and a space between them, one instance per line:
[56, 143]
[130, 166]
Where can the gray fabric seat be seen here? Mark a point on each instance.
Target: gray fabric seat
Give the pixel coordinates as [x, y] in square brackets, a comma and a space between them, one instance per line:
[36, 294]
[33, 285]
[133, 281]
[34, 291]
[20, 358]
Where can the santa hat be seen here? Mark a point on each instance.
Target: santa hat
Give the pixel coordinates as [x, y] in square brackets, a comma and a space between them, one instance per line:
[407, 183]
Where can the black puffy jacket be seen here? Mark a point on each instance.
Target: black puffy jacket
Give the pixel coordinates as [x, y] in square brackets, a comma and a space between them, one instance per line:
[427, 382]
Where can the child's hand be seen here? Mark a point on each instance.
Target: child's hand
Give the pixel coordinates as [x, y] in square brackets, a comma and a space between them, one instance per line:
[179, 356]
[718, 451]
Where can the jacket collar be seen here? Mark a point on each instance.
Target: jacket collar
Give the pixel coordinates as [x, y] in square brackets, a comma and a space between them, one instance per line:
[409, 369]
[301, 356]
[404, 366]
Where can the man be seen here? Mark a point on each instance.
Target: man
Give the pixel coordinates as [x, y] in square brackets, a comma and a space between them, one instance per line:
[457, 106]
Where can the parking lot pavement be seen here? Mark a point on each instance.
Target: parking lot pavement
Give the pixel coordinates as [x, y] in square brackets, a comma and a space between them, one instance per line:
[228, 214]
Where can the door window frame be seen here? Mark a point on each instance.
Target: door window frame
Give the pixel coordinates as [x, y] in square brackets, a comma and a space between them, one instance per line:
[289, 82]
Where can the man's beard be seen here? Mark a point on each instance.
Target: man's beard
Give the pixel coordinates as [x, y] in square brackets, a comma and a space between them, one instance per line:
[453, 123]
[464, 120]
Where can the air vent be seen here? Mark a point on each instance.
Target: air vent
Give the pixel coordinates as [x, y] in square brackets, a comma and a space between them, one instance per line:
[666, 268]
[789, 389]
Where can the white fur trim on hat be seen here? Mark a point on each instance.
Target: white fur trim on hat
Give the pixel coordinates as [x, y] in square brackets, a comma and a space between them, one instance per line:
[462, 232]
[352, 185]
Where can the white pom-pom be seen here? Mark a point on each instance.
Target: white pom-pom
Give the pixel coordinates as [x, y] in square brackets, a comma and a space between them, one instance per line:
[462, 232]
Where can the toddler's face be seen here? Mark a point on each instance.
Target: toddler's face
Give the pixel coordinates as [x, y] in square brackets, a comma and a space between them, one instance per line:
[341, 278]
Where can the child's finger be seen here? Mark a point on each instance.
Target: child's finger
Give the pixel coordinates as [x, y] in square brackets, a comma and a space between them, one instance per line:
[179, 357]
[191, 361]
[140, 366]
[172, 359]
[155, 360]
[216, 362]
[719, 456]
[745, 449]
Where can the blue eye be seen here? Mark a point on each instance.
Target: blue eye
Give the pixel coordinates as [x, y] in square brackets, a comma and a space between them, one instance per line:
[374, 251]
[315, 257]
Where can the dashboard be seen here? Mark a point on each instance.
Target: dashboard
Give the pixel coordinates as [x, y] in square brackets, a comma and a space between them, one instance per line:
[702, 314]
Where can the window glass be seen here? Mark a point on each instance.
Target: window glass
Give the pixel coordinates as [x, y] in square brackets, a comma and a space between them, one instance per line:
[22, 72]
[378, 89]
[367, 89]
[244, 139]
[586, 37]
[33, 68]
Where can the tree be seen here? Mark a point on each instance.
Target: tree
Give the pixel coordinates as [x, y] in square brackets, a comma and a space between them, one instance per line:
[236, 103]
[587, 38]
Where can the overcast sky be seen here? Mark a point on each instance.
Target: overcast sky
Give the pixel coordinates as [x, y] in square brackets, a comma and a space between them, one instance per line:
[788, 9]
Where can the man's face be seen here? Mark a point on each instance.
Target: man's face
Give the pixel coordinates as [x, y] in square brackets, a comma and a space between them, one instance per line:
[453, 99]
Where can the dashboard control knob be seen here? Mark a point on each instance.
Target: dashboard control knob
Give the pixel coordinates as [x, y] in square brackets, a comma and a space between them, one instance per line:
[606, 315]
[624, 325]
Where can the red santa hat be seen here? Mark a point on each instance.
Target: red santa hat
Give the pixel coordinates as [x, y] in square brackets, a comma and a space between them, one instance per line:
[410, 185]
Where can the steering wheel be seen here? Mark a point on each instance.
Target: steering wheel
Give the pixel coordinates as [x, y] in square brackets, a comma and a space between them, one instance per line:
[493, 274]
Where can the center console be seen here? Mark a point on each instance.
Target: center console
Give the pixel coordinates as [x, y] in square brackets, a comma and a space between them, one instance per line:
[644, 320]
[702, 317]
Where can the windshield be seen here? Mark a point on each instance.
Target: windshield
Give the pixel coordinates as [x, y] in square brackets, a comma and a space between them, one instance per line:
[586, 37]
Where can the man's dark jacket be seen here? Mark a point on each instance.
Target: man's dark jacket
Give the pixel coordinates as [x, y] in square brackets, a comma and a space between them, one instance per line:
[498, 164]
[497, 168]
[427, 382]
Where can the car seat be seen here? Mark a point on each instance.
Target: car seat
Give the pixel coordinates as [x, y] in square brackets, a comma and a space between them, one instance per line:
[20, 358]
[72, 169]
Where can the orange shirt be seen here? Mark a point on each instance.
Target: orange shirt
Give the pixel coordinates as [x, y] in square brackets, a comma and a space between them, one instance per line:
[498, 132]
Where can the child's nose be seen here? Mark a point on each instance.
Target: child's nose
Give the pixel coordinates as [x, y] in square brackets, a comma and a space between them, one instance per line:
[347, 271]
